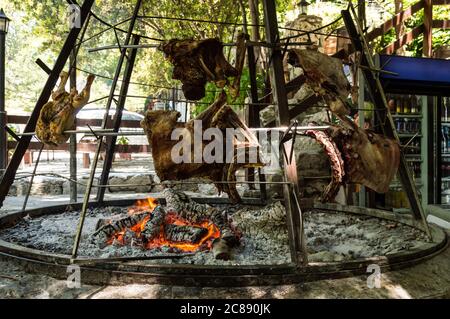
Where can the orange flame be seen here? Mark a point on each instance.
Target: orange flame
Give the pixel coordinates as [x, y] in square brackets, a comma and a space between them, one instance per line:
[149, 204]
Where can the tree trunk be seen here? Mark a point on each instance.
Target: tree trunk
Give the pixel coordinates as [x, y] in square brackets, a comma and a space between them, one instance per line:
[399, 28]
[255, 35]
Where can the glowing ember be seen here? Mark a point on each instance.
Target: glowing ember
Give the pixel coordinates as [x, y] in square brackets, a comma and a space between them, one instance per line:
[148, 205]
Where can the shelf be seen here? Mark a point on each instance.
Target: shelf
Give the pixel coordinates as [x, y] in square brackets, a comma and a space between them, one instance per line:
[402, 135]
[401, 210]
[412, 116]
[398, 184]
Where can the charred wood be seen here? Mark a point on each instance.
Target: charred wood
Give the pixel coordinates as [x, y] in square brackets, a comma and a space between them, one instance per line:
[184, 233]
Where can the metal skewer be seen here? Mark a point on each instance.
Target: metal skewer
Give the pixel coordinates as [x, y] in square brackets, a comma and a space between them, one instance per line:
[110, 132]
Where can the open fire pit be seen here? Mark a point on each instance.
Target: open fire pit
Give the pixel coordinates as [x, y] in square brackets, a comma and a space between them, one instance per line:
[182, 225]
[186, 241]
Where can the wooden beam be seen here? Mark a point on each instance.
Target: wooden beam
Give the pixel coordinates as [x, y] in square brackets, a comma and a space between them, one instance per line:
[428, 28]
[441, 24]
[405, 39]
[292, 86]
[396, 20]
[441, 2]
[299, 108]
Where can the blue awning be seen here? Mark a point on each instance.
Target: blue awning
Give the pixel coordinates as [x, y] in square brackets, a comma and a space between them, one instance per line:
[415, 75]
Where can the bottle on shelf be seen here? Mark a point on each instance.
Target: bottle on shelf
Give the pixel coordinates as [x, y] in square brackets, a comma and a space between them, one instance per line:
[447, 135]
[419, 104]
[398, 103]
[406, 126]
[391, 104]
[406, 106]
[444, 117]
[413, 104]
[444, 139]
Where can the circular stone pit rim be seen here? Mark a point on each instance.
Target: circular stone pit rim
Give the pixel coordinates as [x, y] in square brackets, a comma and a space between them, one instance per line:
[117, 273]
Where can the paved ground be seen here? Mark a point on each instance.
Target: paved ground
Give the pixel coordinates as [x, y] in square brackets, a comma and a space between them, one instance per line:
[430, 279]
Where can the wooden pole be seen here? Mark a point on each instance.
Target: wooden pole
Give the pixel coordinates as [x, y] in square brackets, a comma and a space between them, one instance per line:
[428, 28]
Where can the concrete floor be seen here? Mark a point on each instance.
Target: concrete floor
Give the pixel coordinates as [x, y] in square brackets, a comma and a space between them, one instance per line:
[430, 279]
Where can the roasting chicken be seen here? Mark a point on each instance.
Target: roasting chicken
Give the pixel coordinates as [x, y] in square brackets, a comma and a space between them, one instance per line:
[59, 114]
[358, 156]
[196, 62]
[159, 125]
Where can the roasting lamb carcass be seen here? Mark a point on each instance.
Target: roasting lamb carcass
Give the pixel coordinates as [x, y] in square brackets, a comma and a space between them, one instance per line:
[358, 156]
[59, 114]
[325, 75]
[196, 62]
[159, 125]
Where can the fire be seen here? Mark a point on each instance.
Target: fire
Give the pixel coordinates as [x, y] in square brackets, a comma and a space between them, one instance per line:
[141, 205]
[149, 204]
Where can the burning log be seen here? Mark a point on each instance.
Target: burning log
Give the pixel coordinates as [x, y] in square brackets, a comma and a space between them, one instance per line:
[106, 229]
[184, 233]
[188, 209]
[184, 230]
[221, 249]
[153, 226]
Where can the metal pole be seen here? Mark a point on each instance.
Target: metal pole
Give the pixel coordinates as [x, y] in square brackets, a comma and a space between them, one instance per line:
[111, 140]
[293, 212]
[376, 92]
[3, 140]
[25, 202]
[87, 194]
[73, 137]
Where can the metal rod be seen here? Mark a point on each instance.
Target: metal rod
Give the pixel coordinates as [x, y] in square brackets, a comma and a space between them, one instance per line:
[87, 193]
[110, 132]
[73, 137]
[82, 261]
[157, 45]
[112, 139]
[70, 132]
[25, 202]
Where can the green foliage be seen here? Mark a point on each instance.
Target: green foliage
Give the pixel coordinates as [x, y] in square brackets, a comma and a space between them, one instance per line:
[123, 140]
[212, 92]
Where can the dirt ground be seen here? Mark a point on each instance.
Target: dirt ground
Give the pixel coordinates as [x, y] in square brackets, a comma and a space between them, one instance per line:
[430, 279]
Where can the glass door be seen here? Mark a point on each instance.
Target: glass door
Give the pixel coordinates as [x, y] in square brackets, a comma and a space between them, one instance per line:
[444, 104]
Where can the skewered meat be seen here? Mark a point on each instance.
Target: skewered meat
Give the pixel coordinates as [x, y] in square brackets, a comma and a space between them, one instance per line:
[159, 125]
[325, 75]
[358, 156]
[197, 62]
[59, 114]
